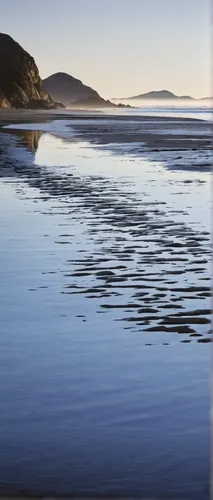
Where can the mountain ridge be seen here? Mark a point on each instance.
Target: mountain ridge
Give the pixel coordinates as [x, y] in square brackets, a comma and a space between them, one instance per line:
[72, 92]
[68, 88]
[162, 94]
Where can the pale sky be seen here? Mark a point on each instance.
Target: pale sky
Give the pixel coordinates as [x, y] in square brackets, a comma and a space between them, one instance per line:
[119, 47]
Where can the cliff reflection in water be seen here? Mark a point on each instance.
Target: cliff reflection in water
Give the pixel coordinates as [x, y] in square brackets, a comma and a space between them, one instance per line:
[29, 138]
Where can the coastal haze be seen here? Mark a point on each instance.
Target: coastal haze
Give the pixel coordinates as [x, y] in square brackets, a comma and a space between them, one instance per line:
[173, 103]
[105, 256]
[189, 108]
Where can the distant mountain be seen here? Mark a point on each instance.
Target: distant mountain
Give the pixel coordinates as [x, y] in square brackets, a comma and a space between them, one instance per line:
[73, 93]
[68, 89]
[160, 94]
[20, 82]
[206, 99]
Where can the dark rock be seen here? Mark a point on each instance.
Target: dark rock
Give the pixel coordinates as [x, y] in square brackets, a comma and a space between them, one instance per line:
[120, 105]
[20, 83]
[43, 104]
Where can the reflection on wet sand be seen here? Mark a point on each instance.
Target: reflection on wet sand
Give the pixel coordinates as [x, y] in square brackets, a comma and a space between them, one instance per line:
[97, 402]
[144, 261]
[29, 138]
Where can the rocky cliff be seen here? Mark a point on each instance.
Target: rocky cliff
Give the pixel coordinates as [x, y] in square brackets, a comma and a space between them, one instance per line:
[20, 82]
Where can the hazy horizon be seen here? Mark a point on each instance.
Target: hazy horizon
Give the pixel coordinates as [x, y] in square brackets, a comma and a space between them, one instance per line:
[164, 102]
[119, 48]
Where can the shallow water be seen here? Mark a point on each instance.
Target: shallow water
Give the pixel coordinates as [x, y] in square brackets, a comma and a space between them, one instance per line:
[105, 320]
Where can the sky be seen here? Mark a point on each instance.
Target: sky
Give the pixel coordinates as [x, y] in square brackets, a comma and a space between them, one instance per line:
[120, 48]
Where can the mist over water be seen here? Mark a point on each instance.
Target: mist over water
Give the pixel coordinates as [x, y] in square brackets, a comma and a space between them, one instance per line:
[191, 108]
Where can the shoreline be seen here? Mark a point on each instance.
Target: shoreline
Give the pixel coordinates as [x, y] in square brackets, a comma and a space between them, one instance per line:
[40, 116]
[178, 143]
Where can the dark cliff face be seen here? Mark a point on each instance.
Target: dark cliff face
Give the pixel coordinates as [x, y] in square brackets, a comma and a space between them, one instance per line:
[20, 83]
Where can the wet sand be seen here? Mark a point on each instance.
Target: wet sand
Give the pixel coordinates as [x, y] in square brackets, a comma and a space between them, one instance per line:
[41, 116]
[140, 248]
[128, 254]
[181, 143]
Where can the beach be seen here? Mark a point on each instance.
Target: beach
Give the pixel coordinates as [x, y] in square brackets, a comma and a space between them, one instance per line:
[105, 304]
